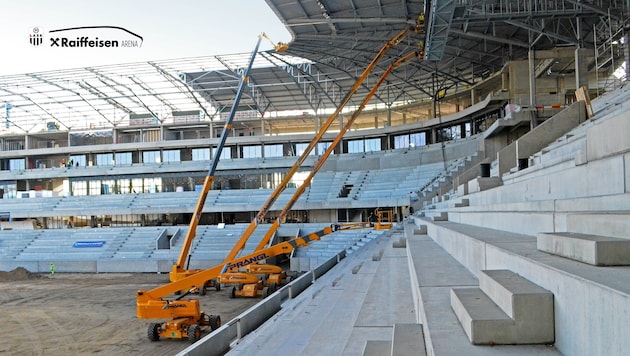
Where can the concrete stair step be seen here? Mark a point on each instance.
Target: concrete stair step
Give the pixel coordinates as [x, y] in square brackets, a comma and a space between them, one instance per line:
[482, 320]
[504, 294]
[377, 348]
[592, 249]
[408, 339]
[519, 298]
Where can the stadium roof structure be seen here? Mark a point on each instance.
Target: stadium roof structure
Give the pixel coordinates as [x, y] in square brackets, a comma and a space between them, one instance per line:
[464, 42]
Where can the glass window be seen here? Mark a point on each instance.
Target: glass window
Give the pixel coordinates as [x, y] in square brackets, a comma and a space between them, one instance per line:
[355, 146]
[124, 186]
[79, 160]
[152, 185]
[94, 187]
[200, 154]
[79, 188]
[273, 151]
[372, 145]
[123, 158]
[401, 141]
[252, 152]
[104, 159]
[301, 147]
[226, 153]
[418, 139]
[17, 164]
[151, 157]
[468, 129]
[456, 132]
[322, 147]
[170, 156]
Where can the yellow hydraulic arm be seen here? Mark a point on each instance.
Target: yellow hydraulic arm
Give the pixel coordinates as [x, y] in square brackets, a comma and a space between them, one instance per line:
[240, 244]
[274, 227]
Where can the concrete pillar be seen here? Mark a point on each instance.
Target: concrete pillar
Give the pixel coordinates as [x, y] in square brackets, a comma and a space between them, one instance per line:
[389, 115]
[532, 87]
[376, 122]
[581, 67]
[626, 54]
[505, 81]
[404, 118]
[532, 78]
[473, 96]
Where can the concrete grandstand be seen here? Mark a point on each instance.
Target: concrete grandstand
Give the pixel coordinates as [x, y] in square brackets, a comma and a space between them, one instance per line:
[510, 191]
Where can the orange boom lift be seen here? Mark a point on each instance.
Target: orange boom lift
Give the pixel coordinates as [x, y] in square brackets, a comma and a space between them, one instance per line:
[186, 318]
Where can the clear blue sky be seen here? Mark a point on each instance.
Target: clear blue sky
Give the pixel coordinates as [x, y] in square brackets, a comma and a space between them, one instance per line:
[171, 29]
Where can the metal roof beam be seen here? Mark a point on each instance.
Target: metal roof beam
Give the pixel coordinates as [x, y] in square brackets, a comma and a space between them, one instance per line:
[440, 18]
[35, 76]
[94, 91]
[152, 92]
[180, 84]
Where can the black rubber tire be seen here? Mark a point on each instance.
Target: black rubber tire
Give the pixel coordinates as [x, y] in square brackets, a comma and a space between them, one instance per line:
[265, 292]
[215, 322]
[233, 292]
[202, 290]
[217, 286]
[153, 332]
[194, 333]
[273, 287]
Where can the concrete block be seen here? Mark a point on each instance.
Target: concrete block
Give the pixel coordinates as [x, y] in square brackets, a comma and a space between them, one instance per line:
[377, 348]
[480, 184]
[377, 256]
[462, 189]
[420, 230]
[408, 339]
[592, 249]
[401, 243]
[506, 309]
[483, 321]
[463, 203]
[442, 217]
[529, 305]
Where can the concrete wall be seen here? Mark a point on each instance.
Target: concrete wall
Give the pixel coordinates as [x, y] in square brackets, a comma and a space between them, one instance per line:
[541, 136]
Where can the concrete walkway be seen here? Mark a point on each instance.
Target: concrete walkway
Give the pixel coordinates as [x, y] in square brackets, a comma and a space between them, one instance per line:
[358, 300]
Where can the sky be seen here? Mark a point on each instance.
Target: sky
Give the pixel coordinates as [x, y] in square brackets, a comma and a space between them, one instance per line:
[169, 29]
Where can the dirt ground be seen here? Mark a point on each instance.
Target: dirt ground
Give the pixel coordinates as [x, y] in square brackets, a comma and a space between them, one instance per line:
[73, 314]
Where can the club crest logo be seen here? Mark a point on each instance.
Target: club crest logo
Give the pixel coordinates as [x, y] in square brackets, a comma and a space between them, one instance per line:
[36, 36]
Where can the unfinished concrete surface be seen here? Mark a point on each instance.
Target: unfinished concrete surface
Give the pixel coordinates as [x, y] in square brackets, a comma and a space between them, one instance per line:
[83, 314]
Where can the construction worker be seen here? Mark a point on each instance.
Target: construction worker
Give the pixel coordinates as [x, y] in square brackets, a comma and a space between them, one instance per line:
[52, 269]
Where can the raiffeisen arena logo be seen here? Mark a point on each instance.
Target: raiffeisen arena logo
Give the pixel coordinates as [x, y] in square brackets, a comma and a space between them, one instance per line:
[87, 37]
